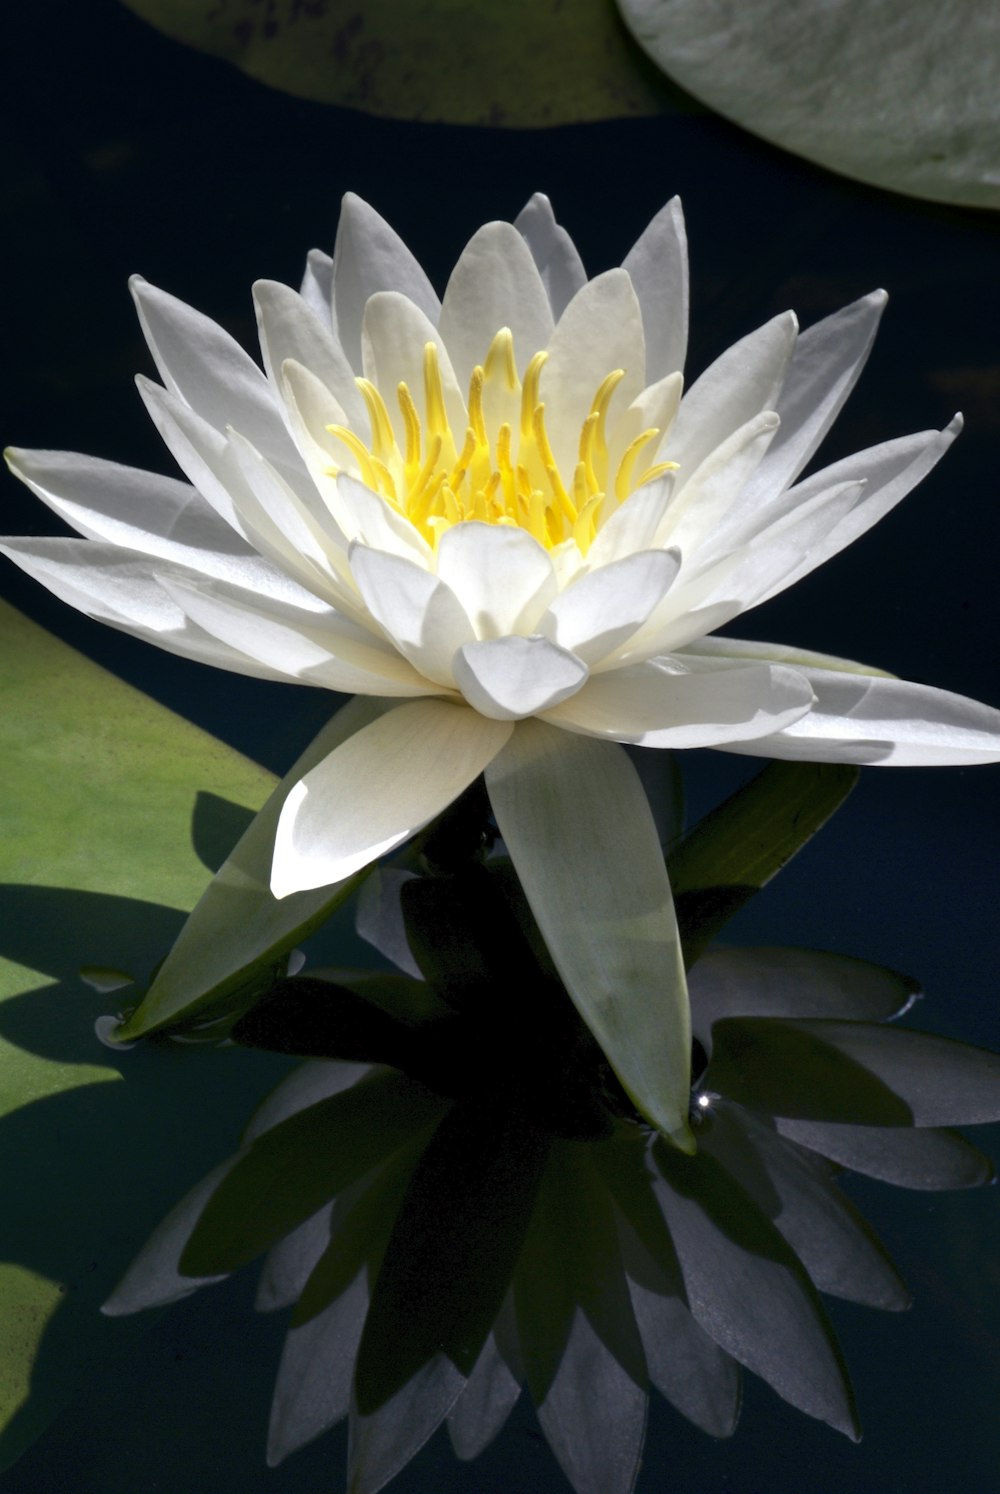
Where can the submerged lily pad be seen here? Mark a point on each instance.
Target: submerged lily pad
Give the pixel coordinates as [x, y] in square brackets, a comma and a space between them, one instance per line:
[513, 63]
[903, 94]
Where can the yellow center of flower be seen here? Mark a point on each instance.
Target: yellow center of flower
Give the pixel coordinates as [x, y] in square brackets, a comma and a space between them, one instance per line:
[504, 470]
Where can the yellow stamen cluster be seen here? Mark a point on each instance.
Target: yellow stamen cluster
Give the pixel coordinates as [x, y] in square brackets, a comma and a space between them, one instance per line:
[512, 478]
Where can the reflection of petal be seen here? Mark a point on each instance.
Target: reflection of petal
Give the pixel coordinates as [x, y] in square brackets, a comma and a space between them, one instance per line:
[382, 1443]
[491, 1393]
[313, 1388]
[910, 1158]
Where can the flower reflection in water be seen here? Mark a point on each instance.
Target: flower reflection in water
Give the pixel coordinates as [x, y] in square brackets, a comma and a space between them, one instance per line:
[456, 1199]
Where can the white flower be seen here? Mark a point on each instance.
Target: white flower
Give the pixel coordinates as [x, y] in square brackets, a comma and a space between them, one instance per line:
[498, 510]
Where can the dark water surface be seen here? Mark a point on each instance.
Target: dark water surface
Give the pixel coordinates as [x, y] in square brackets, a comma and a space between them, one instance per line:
[126, 152]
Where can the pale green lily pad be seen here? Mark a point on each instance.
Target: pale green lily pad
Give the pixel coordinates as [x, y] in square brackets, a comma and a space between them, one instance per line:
[97, 867]
[903, 94]
[512, 63]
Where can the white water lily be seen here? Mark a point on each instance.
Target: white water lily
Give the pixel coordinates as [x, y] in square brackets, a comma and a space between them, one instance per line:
[497, 511]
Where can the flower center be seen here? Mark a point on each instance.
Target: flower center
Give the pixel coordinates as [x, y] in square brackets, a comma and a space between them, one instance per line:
[503, 471]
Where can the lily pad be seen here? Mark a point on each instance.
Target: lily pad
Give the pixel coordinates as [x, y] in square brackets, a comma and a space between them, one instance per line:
[904, 94]
[513, 63]
[97, 865]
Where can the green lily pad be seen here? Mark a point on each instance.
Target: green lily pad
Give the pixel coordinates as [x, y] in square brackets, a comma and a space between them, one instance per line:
[513, 63]
[904, 94]
[97, 866]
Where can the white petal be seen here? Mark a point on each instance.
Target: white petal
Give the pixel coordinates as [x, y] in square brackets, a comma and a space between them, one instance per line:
[600, 330]
[290, 329]
[210, 371]
[198, 448]
[745, 380]
[422, 616]
[510, 678]
[603, 609]
[393, 339]
[703, 499]
[377, 789]
[889, 722]
[323, 649]
[553, 251]
[579, 830]
[494, 284]
[653, 706]
[658, 266]
[309, 409]
[317, 284]
[824, 368]
[501, 575]
[369, 256]
[126, 506]
[654, 407]
[633, 525]
[375, 523]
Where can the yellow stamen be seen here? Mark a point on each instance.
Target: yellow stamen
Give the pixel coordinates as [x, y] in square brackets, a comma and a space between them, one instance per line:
[437, 415]
[383, 440]
[411, 422]
[358, 450]
[529, 392]
[477, 420]
[623, 479]
[500, 359]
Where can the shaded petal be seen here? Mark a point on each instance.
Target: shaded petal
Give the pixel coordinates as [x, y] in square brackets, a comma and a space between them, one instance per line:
[597, 885]
[379, 526]
[603, 609]
[377, 789]
[154, 1278]
[422, 616]
[654, 706]
[791, 983]
[632, 526]
[600, 330]
[311, 1082]
[553, 251]
[703, 498]
[501, 575]
[910, 1158]
[381, 1444]
[210, 372]
[658, 266]
[317, 284]
[368, 257]
[510, 678]
[490, 1395]
[748, 1289]
[379, 918]
[291, 1262]
[829, 1236]
[745, 380]
[495, 283]
[313, 1387]
[290, 329]
[825, 365]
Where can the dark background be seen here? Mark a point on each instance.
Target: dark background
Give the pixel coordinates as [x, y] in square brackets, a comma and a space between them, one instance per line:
[125, 152]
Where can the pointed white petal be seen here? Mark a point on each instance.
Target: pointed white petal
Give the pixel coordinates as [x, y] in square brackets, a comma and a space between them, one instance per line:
[494, 284]
[422, 616]
[501, 575]
[393, 338]
[745, 380]
[376, 524]
[658, 266]
[600, 330]
[369, 256]
[198, 448]
[209, 370]
[317, 284]
[603, 609]
[703, 500]
[553, 251]
[510, 678]
[316, 648]
[290, 329]
[824, 368]
[651, 705]
[633, 525]
[579, 830]
[377, 789]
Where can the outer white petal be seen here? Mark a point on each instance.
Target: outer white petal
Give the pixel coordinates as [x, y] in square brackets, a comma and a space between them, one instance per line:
[377, 789]
[633, 525]
[597, 885]
[422, 616]
[824, 368]
[126, 506]
[652, 705]
[872, 718]
[494, 284]
[501, 575]
[745, 380]
[393, 338]
[115, 586]
[658, 265]
[290, 329]
[510, 678]
[317, 284]
[369, 256]
[210, 371]
[553, 251]
[198, 448]
[703, 500]
[603, 609]
[316, 648]
[600, 330]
